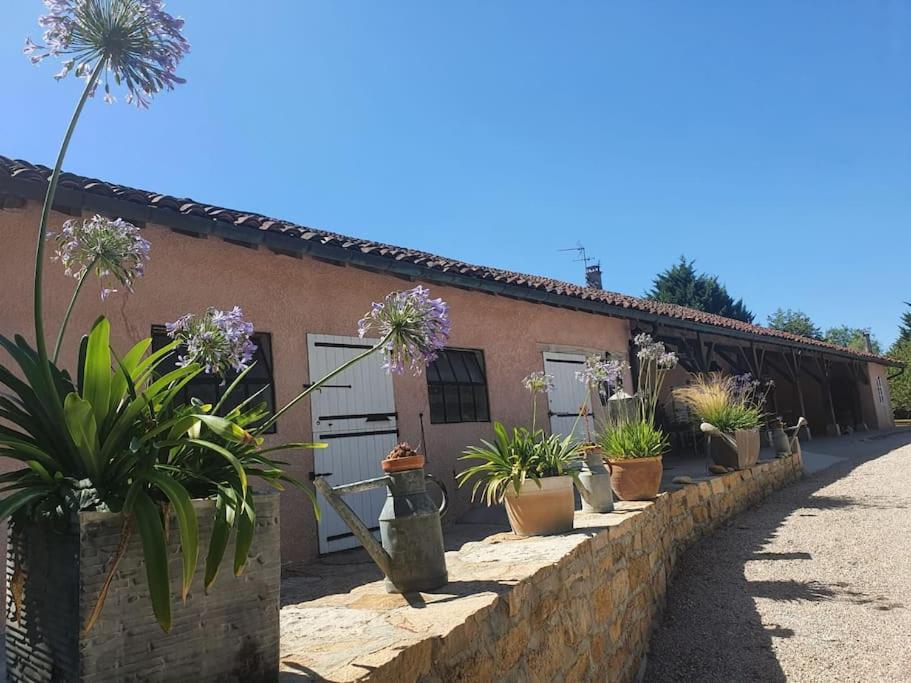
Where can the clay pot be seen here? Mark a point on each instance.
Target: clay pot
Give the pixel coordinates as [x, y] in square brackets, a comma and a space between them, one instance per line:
[411, 462]
[540, 510]
[746, 454]
[636, 478]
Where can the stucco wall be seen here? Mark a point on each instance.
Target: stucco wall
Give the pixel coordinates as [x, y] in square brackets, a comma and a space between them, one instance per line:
[290, 297]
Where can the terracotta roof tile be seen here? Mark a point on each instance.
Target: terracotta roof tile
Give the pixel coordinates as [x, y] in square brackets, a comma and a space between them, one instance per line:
[23, 170]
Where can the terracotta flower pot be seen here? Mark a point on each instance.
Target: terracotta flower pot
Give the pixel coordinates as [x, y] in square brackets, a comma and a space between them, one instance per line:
[540, 510]
[411, 462]
[636, 478]
[746, 454]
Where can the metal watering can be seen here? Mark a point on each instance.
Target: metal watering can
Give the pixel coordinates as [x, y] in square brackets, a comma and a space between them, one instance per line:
[412, 555]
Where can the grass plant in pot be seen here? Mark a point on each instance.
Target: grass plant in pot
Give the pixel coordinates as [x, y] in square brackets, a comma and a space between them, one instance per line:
[632, 444]
[110, 457]
[730, 409]
[528, 471]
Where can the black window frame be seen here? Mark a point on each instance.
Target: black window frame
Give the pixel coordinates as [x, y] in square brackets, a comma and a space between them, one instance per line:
[254, 380]
[454, 377]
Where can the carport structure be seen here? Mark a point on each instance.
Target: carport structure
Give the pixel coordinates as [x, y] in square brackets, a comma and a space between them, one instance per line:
[836, 389]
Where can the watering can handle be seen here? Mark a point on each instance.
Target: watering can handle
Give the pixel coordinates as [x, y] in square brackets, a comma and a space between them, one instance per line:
[444, 506]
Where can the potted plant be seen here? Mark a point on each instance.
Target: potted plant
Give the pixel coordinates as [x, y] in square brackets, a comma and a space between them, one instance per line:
[633, 445]
[401, 458]
[110, 458]
[600, 376]
[730, 410]
[528, 471]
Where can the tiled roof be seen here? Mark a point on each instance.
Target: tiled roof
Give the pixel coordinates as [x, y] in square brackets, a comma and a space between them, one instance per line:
[168, 210]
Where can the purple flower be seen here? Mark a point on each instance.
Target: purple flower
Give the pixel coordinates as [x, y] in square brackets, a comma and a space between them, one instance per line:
[414, 327]
[219, 341]
[539, 382]
[113, 249]
[138, 42]
[598, 372]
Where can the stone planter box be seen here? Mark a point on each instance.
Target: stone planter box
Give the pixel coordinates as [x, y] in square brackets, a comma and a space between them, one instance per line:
[231, 634]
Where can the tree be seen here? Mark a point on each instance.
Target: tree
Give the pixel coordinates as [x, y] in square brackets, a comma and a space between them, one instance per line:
[904, 330]
[853, 338]
[900, 385]
[681, 284]
[795, 322]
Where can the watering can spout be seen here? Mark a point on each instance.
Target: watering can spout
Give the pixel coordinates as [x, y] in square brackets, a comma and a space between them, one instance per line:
[358, 528]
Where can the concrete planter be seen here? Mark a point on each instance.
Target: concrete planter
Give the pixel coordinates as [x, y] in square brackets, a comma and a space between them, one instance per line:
[738, 450]
[541, 510]
[54, 578]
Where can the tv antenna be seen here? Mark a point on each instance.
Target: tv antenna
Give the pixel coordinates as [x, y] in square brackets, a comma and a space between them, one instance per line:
[592, 265]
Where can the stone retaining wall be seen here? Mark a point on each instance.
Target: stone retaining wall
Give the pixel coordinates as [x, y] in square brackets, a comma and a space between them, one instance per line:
[575, 607]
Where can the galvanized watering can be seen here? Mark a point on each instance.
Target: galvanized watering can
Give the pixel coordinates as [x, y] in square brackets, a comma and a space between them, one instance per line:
[412, 555]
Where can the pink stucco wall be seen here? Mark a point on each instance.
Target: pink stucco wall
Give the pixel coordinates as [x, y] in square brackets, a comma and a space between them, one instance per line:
[289, 298]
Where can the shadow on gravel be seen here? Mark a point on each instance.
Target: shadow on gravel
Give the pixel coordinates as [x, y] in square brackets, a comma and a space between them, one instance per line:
[710, 629]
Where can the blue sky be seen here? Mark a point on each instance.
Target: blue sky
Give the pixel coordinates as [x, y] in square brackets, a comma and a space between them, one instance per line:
[770, 141]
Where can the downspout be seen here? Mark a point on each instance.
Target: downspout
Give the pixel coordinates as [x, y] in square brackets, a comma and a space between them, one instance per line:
[901, 371]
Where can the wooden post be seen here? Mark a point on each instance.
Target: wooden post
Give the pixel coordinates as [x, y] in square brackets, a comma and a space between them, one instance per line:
[795, 376]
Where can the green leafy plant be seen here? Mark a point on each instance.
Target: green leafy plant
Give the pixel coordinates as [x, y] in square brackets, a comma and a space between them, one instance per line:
[634, 439]
[625, 436]
[729, 403]
[511, 458]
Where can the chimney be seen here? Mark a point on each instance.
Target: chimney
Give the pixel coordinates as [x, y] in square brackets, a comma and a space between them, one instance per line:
[868, 345]
[593, 276]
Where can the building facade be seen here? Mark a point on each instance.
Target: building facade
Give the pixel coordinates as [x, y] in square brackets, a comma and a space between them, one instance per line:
[305, 289]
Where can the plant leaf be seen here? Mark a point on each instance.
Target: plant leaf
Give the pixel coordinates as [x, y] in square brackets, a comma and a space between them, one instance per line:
[245, 527]
[221, 532]
[155, 552]
[80, 421]
[97, 370]
[186, 522]
[10, 504]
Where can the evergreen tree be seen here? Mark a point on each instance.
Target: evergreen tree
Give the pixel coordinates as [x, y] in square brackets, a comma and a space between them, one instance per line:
[681, 284]
[795, 322]
[904, 330]
[852, 338]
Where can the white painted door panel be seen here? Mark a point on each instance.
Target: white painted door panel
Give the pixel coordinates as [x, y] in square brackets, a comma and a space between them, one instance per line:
[568, 394]
[355, 414]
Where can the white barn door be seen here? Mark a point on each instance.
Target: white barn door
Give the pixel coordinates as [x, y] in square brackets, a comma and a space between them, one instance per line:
[567, 395]
[355, 414]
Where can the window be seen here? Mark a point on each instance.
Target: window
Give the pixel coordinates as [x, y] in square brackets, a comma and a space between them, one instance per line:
[880, 390]
[457, 385]
[209, 389]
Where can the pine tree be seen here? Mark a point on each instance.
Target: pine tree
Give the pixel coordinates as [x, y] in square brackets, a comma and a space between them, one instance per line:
[682, 284]
[904, 330]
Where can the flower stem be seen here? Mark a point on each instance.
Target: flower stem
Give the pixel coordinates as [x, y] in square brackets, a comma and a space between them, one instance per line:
[319, 383]
[69, 310]
[40, 341]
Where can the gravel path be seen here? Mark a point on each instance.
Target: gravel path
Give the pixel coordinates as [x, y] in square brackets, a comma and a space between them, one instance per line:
[812, 585]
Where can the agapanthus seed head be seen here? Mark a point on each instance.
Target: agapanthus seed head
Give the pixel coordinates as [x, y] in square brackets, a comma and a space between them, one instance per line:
[113, 249]
[539, 382]
[415, 327]
[138, 42]
[219, 341]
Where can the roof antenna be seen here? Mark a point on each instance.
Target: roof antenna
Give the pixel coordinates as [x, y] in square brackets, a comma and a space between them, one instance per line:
[593, 271]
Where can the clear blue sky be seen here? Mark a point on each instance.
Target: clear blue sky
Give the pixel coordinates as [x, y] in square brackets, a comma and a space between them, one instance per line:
[770, 141]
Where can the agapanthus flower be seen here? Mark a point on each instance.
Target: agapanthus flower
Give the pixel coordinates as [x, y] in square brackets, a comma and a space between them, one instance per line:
[137, 42]
[539, 382]
[667, 360]
[415, 327]
[113, 249]
[219, 341]
[744, 386]
[597, 372]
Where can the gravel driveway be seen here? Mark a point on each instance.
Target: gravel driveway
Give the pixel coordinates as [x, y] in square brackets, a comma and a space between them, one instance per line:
[812, 585]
